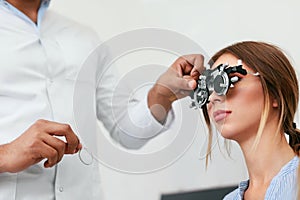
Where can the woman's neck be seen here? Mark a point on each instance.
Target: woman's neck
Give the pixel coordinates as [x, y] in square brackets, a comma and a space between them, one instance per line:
[28, 7]
[270, 155]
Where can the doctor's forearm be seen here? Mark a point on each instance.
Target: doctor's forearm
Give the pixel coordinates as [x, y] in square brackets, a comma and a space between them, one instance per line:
[3, 161]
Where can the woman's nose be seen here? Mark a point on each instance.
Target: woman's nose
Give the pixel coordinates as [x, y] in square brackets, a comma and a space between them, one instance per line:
[215, 98]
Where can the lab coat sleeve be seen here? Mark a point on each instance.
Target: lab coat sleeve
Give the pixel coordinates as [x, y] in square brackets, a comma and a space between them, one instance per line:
[123, 112]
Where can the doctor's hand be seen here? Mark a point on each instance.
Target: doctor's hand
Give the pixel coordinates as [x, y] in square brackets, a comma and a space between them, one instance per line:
[38, 143]
[177, 82]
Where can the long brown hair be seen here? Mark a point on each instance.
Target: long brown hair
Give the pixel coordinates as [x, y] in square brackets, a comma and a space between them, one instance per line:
[279, 81]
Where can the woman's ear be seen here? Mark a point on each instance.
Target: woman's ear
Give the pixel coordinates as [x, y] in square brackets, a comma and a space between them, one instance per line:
[274, 103]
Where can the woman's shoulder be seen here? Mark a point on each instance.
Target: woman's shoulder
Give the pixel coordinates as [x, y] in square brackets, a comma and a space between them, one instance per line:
[238, 193]
[289, 170]
[285, 183]
[234, 195]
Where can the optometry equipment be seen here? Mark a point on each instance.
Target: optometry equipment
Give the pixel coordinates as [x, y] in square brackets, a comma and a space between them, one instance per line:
[216, 80]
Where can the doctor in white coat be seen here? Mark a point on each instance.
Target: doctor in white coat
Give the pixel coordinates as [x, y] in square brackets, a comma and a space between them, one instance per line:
[40, 54]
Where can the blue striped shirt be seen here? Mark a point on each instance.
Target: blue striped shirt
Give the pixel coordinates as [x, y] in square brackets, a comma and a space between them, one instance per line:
[282, 187]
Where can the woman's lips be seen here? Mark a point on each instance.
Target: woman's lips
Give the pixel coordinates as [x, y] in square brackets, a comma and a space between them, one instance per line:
[221, 114]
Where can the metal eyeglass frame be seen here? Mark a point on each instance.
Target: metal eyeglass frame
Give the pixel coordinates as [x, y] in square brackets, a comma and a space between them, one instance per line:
[216, 80]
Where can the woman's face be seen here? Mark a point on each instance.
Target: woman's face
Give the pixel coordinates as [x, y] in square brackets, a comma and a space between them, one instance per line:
[237, 114]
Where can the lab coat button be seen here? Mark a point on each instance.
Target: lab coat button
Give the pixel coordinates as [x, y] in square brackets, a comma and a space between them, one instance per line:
[61, 189]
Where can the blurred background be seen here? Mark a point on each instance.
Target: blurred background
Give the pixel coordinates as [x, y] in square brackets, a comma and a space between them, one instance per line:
[213, 25]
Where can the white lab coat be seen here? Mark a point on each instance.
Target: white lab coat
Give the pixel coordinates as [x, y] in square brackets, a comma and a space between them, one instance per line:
[38, 69]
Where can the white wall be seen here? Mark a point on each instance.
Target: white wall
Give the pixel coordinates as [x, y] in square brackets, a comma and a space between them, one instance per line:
[213, 24]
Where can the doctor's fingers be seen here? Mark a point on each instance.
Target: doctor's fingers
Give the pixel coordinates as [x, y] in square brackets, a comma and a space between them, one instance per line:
[58, 145]
[197, 61]
[187, 84]
[180, 84]
[47, 152]
[180, 67]
[38, 149]
[65, 130]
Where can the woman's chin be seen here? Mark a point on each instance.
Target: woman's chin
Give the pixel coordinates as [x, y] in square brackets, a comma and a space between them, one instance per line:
[226, 132]
[228, 136]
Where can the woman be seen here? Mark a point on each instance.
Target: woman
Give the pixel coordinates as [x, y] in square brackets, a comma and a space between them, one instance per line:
[257, 112]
